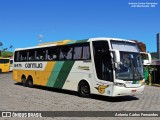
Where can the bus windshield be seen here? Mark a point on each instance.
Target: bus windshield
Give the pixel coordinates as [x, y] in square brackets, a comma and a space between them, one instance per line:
[130, 67]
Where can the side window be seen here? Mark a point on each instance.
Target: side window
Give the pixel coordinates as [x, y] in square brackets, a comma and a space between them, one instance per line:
[40, 54]
[86, 53]
[81, 52]
[52, 53]
[16, 56]
[22, 55]
[78, 53]
[31, 56]
[66, 52]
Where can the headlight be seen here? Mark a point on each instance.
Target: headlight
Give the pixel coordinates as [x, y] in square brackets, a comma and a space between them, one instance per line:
[143, 83]
[119, 84]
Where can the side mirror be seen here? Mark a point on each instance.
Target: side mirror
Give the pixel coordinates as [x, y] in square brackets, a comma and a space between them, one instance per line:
[150, 58]
[147, 61]
[116, 55]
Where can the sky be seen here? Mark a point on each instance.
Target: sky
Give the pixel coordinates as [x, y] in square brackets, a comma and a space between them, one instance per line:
[22, 21]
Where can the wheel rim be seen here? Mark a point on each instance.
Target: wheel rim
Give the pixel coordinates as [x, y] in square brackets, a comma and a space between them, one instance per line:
[30, 83]
[85, 90]
[23, 81]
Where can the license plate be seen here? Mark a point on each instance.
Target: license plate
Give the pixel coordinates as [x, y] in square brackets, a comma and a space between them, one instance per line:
[133, 91]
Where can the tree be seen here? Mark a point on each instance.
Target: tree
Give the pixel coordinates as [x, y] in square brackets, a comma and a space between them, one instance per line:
[141, 46]
[7, 54]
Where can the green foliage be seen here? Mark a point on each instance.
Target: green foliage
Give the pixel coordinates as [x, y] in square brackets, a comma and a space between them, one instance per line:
[6, 54]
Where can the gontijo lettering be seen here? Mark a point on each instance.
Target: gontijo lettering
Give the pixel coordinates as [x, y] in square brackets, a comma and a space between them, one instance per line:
[33, 65]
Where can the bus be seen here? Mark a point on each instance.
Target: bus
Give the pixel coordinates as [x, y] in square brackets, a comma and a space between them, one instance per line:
[11, 64]
[102, 66]
[4, 65]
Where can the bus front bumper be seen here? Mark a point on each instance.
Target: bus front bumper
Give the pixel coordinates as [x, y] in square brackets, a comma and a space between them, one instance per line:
[123, 91]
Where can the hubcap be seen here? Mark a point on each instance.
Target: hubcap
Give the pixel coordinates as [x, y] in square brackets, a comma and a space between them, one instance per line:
[85, 90]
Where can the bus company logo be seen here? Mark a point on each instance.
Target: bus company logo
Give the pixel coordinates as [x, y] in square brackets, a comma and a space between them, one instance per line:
[33, 65]
[6, 114]
[101, 88]
[83, 67]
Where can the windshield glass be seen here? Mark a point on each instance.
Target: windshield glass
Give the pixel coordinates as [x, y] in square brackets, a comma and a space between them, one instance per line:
[131, 63]
[131, 67]
[3, 61]
[124, 46]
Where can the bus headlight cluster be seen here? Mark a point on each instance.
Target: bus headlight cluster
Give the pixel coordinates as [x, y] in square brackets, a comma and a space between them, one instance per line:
[143, 83]
[119, 84]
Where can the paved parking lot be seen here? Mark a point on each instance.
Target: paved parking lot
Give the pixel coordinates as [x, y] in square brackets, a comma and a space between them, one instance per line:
[14, 97]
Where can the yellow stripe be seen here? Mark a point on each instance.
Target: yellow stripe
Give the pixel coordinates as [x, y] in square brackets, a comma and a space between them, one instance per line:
[57, 43]
[46, 73]
[40, 77]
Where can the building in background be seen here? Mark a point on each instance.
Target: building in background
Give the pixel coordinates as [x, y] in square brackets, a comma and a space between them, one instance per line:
[158, 45]
[155, 65]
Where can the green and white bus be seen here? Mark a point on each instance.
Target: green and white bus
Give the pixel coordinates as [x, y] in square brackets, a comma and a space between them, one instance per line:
[102, 66]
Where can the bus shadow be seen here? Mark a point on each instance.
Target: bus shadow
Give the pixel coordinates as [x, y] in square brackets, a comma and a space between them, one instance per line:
[5, 73]
[114, 99]
[95, 97]
[51, 89]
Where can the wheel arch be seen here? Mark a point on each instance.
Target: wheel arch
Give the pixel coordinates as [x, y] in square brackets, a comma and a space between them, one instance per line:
[30, 77]
[23, 76]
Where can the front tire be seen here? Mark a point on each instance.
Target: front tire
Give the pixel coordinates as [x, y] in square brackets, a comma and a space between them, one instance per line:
[84, 89]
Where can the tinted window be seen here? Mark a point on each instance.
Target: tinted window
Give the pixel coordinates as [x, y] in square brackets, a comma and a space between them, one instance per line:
[79, 51]
[52, 53]
[4, 61]
[22, 56]
[66, 52]
[40, 54]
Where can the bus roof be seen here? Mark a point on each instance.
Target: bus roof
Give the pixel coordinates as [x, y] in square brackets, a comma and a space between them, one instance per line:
[4, 58]
[108, 39]
[64, 42]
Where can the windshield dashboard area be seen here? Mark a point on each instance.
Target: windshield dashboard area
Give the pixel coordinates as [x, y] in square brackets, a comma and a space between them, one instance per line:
[130, 67]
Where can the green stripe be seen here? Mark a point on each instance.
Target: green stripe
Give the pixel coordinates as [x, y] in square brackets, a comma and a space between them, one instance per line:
[78, 41]
[66, 68]
[54, 74]
[81, 41]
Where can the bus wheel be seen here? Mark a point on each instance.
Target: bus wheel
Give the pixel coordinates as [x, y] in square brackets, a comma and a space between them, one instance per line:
[30, 83]
[23, 81]
[84, 90]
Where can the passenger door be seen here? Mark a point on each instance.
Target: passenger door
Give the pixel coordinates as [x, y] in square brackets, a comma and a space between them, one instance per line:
[102, 60]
